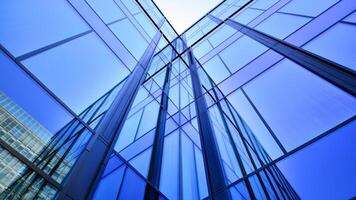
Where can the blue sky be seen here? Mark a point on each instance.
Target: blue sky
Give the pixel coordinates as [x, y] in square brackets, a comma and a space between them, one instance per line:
[183, 13]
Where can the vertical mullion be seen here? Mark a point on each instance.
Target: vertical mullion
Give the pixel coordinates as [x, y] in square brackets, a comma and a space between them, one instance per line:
[334, 73]
[214, 169]
[86, 172]
[158, 143]
[231, 140]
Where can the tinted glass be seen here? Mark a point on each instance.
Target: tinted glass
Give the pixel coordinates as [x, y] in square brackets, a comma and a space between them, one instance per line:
[23, 31]
[79, 72]
[306, 104]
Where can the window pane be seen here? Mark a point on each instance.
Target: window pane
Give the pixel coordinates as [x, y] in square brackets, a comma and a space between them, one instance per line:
[247, 15]
[263, 4]
[325, 169]
[304, 7]
[169, 182]
[202, 183]
[202, 48]
[78, 82]
[32, 24]
[108, 187]
[281, 25]
[336, 44]
[128, 131]
[26, 95]
[142, 162]
[190, 189]
[133, 186]
[107, 10]
[250, 117]
[237, 55]
[149, 118]
[216, 69]
[130, 37]
[221, 34]
[351, 18]
[297, 104]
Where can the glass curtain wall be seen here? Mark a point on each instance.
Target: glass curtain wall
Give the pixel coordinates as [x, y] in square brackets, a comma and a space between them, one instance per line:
[256, 100]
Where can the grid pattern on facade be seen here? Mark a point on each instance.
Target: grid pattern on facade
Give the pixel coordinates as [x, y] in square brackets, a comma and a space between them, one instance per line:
[109, 102]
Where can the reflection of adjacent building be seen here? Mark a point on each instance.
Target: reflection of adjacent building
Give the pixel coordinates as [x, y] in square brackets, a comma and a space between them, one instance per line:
[29, 138]
[53, 154]
[23, 133]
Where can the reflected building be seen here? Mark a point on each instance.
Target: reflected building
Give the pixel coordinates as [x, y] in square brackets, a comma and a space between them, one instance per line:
[109, 102]
[24, 134]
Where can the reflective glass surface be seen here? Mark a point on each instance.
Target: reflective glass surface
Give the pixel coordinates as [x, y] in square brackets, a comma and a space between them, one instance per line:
[86, 79]
[101, 99]
[339, 37]
[237, 55]
[58, 17]
[307, 105]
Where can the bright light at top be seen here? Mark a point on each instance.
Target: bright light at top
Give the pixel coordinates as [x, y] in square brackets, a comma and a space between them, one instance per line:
[183, 13]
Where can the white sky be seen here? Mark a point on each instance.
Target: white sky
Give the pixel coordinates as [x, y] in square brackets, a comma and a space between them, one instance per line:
[183, 13]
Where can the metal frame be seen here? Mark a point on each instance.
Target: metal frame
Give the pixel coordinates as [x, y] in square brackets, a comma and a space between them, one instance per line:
[100, 145]
[107, 131]
[336, 74]
[213, 166]
[157, 149]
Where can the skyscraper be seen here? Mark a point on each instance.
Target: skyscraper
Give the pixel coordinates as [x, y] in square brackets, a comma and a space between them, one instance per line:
[256, 100]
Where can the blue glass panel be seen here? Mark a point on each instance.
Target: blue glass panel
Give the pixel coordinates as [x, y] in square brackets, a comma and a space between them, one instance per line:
[114, 162]
[216, 69]
[149, 118]
[195, 37]
[239, 191]
[192, 133]
[170, 126]
[202, 183]
[305, 7]
[257, 188]
[237, 55]
[246, 16]
[174, 94]
[221, 34]
[138, 146]
[30, 25]
[133, 186]
[147, 25]
[263, 4]
[201, 49]
[190, 187]
[249, 116]
[227, 156]
[351, 18]
[108, 186]
[132, 6]
[78, 82]
[128, 131]
[336, 44]
[184, 96]
[130, 37]
[297, 104]
[281, 25]
[107, 10]
[28, 96]
[325, 169]
[142, 162]
[169, 182]
[141, 95]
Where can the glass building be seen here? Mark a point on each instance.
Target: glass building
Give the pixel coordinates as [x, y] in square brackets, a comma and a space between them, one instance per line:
[103, 99]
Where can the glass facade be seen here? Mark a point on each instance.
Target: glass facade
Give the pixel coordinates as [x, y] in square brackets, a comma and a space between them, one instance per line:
[102, 99]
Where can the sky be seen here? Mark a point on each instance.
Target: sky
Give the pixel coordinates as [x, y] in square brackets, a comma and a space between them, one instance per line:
[183, 13]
